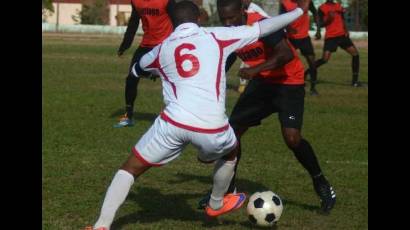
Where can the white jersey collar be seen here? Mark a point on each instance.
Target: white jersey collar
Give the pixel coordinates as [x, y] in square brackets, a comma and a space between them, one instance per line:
[185, 26]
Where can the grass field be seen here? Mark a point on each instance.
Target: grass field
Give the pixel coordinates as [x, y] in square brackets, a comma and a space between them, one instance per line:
[83, 90]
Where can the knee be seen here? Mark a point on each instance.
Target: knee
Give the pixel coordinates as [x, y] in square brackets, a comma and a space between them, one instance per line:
[292, 141]
[134, 166]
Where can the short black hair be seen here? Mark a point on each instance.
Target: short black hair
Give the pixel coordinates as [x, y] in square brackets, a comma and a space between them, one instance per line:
[237, 4]
[185, 11]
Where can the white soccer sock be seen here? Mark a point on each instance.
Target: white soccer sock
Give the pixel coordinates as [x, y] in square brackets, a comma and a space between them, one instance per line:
[223, 173]
[115, 196]
[243, 81]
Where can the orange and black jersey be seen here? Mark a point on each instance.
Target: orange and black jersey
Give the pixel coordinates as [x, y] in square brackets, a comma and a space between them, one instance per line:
[260, 51]
[300, 27]
[336, 27]
[156, 22]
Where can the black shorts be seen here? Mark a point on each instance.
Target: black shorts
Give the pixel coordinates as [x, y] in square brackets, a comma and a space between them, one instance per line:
[331, 44]
[259, 100]
[304, 44]
[139, 52]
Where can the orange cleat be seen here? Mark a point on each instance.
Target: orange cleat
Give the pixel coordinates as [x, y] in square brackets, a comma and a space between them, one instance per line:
[231, 202]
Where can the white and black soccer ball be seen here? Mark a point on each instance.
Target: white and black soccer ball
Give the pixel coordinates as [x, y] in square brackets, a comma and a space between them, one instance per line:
[264, 208]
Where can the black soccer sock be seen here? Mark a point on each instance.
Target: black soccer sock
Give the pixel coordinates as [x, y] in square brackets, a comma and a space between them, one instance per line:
[313, 78]
[355, 68]
[306, 156]
[131, 89]
[318, 63]
[232, 185]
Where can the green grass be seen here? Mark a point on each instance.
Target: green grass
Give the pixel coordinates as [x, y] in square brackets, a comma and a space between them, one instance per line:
[83, 88]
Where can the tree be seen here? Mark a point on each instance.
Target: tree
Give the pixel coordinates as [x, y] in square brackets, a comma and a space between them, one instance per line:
[94, 12]
[359, 9]
[48, 5]
[47, 9]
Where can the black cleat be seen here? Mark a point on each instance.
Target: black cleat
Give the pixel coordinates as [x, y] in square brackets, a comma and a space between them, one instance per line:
[203, 202]
[313, 92]
[326, 194]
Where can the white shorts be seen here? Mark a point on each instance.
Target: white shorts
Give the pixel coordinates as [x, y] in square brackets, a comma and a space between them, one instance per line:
[163, 142]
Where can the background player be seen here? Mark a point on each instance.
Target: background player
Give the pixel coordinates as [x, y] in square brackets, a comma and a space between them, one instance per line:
[298, 34]
[156, 25]
[331, 15]
[276, 85]
[194, 79]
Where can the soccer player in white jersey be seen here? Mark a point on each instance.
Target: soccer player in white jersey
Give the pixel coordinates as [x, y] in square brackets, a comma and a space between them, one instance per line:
[191, 64]
[250, 7]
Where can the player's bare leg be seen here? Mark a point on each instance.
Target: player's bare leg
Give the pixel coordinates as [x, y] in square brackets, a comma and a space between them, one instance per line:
[355, 65]
[304, 153]
[118, 190]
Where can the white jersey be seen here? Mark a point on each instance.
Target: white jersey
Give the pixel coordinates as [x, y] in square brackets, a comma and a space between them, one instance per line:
[191, 63]
[254, 8]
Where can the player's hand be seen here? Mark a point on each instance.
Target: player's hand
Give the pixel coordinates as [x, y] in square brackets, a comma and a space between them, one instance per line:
[303, 4]
[318, 35]
[347, 34]
[248, 73]
[120, 53]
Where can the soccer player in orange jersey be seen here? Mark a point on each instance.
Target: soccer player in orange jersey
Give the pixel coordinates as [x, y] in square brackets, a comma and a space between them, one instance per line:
[157, 25]
[298, 34]
[276, 86]
[331, 16]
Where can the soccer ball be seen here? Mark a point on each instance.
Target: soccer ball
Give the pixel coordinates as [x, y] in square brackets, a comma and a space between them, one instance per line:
[264, 208]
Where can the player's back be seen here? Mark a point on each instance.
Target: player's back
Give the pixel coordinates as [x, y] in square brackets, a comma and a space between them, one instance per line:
[194, 85]
[156, 22]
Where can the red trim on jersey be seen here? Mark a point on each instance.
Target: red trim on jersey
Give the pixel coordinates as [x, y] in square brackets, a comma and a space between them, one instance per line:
[166, 118]
[141, 158]
[222, 44]
[155, 64]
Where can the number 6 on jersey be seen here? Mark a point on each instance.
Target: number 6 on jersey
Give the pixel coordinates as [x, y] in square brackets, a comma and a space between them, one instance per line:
[180, 59]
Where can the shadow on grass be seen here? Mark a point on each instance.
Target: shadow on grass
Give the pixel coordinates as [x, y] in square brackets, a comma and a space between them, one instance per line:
[243, 185]
[157, 207]
[249, 225]
[137, 115]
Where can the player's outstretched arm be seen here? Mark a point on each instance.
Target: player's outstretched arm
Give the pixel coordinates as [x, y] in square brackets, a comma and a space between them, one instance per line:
[276, 23]
[129, 35]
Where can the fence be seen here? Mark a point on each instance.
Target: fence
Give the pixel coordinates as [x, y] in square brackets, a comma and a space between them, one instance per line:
[47, 27]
